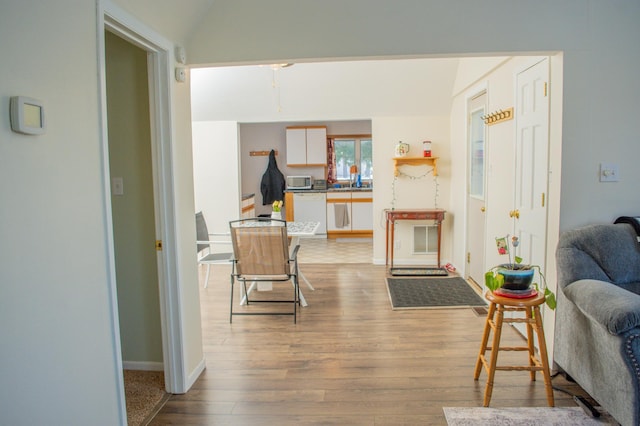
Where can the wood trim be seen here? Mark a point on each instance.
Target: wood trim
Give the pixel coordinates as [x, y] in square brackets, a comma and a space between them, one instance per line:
[262, 153]
[306, 127]
[349, 234]
[289, 207]
[249, 207]
[307, 165]
[357, 136]
[338, 200]
[362, 200]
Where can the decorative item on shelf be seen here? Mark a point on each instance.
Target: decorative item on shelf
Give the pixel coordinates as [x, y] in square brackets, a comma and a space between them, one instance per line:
[276, 213]
[498, 116]
[426, 149]
[515, 279]
[402, 149]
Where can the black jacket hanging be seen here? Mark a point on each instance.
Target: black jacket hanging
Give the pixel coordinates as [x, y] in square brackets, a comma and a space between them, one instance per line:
[273, 183]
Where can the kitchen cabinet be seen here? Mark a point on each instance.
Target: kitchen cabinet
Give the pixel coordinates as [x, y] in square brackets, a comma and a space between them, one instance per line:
[306, 146]
[248, 206]
[361, 212]
[310, 207]
[359, 207]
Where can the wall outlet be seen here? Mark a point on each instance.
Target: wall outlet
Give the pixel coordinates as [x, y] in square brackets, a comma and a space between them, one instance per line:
[609, 172]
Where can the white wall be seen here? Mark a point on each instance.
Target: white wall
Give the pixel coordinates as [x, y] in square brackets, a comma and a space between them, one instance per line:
[601, 58]
[324, 91]
[216, 169]
[59, 361]
[416, 189]
[60, 352]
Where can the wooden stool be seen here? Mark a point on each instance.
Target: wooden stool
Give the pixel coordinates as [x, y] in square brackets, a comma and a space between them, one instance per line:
[533, 320]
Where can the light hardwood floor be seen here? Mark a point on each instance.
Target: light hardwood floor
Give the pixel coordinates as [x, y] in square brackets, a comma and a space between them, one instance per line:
[350, 360]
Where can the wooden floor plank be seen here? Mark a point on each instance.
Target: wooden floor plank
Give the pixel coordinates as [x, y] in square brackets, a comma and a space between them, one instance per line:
[350, 359]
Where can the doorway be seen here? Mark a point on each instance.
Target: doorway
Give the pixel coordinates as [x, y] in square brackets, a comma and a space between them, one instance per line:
[132, 204]
[134, 224]
[476, 188]
[157, 52]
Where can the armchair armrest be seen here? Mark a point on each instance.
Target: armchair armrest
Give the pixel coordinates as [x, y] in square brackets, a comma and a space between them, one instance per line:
[615, 308]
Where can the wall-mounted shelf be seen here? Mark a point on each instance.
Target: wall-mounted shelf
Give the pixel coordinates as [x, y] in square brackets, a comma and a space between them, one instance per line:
[415, 161]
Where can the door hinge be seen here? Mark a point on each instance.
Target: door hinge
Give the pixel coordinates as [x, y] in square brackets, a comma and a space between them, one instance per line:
[468, 257]
[545, 89]
[158, 245]
[543, 199]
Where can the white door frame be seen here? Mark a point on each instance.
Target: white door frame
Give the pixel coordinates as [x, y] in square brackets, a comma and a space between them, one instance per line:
[480, 90]
[112, 18]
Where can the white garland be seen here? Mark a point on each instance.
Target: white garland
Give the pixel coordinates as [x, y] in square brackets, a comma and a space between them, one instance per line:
[422, 176]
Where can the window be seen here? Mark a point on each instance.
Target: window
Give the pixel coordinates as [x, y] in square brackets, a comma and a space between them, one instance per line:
[476, 152]
[350, 152]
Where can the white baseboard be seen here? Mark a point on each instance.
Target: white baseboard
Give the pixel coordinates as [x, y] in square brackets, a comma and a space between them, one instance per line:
[193, 376]
[143, 365]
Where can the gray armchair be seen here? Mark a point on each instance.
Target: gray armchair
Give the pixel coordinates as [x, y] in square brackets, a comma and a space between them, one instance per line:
[597, 336]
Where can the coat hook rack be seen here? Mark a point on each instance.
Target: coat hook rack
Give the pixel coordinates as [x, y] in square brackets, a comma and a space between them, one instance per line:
[261, 153]
[498, 116]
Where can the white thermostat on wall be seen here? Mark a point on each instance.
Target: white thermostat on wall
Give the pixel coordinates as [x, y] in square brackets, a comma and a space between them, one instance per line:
[27, 115]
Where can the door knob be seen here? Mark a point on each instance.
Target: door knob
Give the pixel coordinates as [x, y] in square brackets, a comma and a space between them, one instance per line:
[515, 213]
[482, 209]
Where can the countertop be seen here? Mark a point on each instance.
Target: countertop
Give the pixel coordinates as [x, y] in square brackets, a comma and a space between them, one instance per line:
[294, 191]
[247, 196]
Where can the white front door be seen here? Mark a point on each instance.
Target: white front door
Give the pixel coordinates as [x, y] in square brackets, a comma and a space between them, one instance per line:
[476, 185]
[532, 165]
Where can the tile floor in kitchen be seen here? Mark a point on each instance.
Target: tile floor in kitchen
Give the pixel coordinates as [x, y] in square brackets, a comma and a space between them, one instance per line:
[346, 250]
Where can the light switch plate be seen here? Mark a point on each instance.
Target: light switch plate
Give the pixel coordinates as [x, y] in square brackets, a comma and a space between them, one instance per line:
[117, 186]
[609, 172]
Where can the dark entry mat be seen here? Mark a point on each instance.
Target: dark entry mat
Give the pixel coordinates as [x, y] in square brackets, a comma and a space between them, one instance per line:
[421, 293]
[418, 272]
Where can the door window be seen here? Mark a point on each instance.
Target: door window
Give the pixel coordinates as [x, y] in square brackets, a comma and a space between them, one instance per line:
[476, 152]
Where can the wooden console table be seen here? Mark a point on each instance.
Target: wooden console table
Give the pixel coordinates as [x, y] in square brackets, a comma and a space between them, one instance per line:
[416, 214]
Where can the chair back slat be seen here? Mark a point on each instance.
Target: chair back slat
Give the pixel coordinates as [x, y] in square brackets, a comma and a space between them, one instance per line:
[260, 248]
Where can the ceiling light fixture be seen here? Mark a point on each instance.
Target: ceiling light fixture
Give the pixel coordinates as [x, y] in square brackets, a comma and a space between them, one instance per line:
[280, 66]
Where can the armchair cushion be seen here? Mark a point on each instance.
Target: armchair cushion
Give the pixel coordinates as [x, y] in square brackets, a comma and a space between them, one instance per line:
[616, 309]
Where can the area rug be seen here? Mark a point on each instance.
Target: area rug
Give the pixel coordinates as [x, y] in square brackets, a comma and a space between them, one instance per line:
[418, 272]
[527, 416]
[426, 293]
[144, 394]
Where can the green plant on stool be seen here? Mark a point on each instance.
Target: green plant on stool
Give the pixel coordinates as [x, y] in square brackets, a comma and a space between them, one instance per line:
[516, 276]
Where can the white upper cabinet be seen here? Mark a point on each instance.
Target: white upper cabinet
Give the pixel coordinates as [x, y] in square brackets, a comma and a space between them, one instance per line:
[306, 146]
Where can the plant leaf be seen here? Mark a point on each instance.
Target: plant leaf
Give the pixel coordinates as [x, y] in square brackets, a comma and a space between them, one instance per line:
[490, 281]
[518, 259]
[550, 298]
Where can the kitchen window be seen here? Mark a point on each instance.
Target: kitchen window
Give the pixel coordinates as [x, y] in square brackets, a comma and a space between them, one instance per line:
[353, 151]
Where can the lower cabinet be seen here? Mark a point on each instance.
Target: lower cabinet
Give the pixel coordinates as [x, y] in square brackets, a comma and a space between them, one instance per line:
[349, 214]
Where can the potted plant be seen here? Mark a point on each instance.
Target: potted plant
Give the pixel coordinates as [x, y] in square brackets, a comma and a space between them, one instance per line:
[276, 211]
[516, 276]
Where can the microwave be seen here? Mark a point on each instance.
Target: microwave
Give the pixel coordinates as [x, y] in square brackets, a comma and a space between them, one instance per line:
[299, 182]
